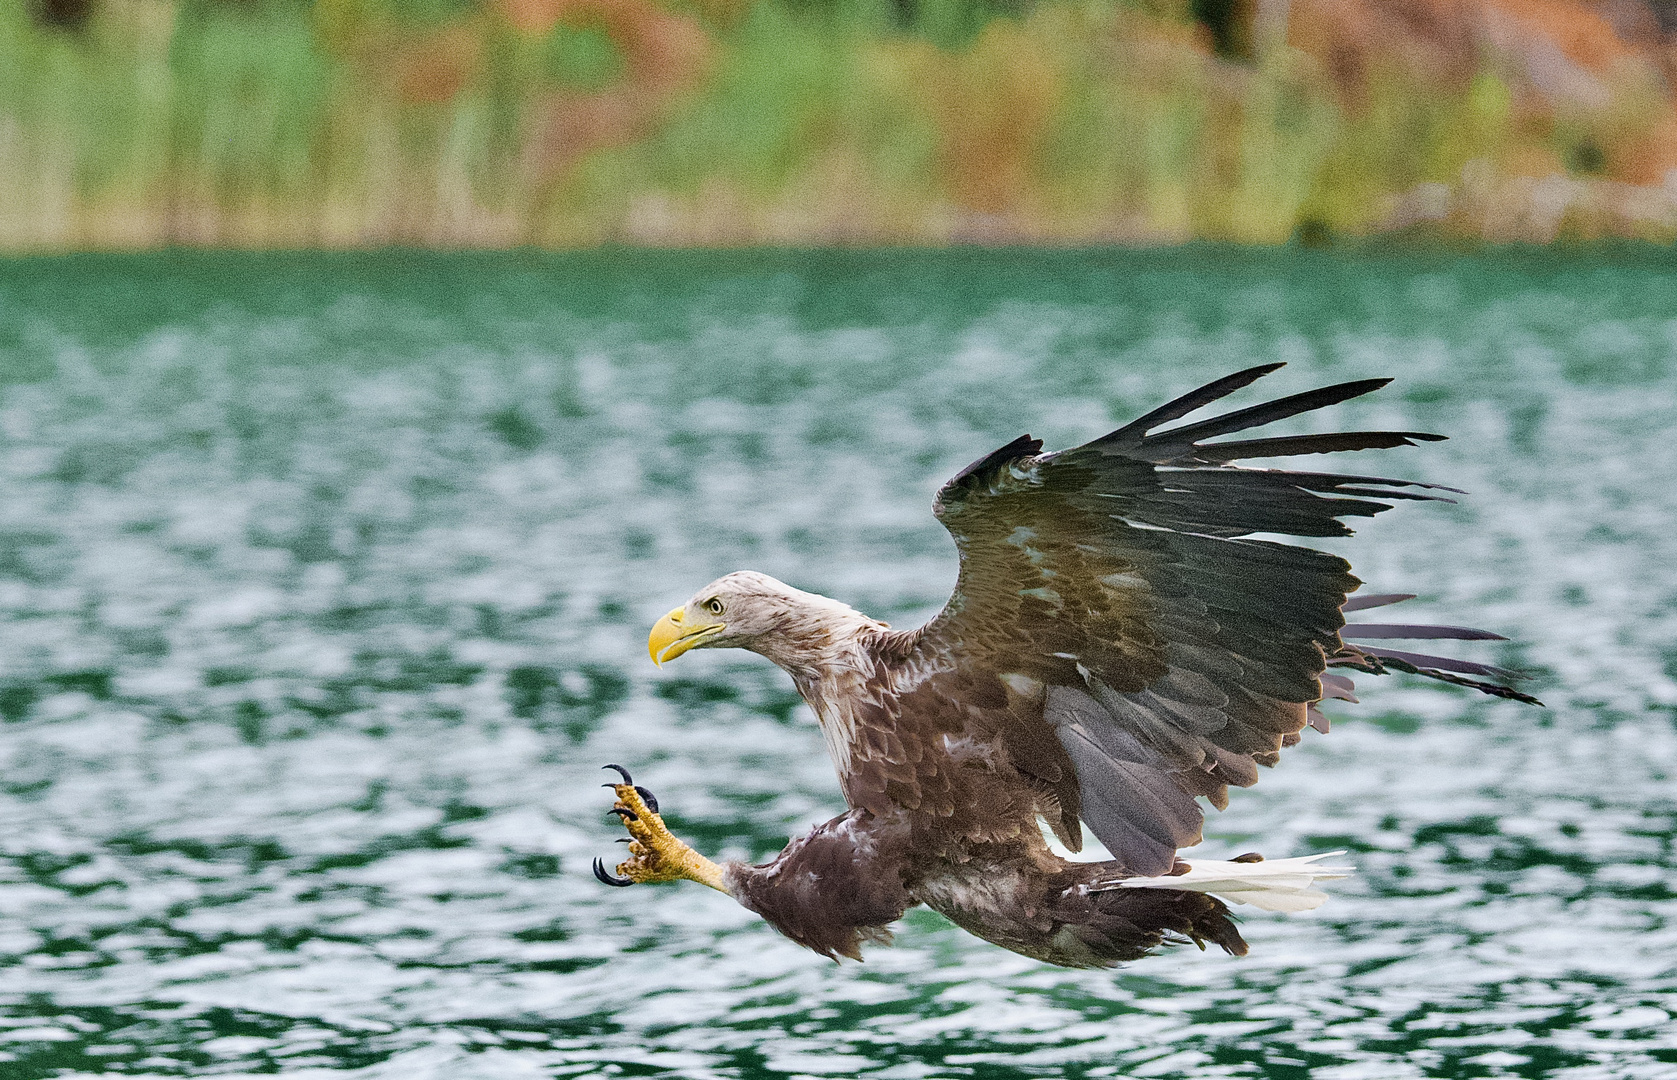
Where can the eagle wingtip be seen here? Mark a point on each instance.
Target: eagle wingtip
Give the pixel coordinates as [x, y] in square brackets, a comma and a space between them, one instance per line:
[1023, 447]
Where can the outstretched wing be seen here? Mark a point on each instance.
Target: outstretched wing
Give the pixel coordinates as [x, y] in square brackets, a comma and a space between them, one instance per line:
[1117, 631]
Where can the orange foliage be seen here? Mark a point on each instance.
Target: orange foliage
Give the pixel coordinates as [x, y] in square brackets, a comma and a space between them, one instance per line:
[1582, 34]
[533, 17]
[1435, 39]
[1445, 38]
[1650, 157]
[435, 68]
[661, 49]
[994, 105]
[1563, 58]
[663, 53]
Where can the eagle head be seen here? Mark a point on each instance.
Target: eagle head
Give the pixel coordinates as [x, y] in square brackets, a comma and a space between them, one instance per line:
[748, 610]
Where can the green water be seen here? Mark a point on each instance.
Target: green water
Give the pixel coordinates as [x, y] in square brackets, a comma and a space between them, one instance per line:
[324, 585]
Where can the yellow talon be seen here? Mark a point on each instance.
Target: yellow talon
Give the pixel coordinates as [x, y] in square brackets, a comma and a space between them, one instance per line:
[655, 855]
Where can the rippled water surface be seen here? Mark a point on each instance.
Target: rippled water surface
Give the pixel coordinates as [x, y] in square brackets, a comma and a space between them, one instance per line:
[324, 586]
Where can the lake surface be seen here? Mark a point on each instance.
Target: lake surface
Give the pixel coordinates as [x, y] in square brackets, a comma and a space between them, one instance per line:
[324, 590]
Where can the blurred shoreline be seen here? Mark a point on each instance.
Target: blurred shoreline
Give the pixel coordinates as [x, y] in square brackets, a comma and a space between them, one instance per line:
[353, 124]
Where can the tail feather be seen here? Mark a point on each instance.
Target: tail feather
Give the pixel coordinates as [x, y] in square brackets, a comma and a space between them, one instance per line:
[1271, 885]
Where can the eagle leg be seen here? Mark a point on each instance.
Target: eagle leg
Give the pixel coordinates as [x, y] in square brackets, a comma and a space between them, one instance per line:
[836, 887]
[830, 890]
[655, 855]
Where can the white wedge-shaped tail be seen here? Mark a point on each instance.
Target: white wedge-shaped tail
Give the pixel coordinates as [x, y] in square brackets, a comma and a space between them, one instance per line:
[1273, 884]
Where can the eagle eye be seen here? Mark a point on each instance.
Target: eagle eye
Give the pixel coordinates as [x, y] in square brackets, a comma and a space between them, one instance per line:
[714, 606]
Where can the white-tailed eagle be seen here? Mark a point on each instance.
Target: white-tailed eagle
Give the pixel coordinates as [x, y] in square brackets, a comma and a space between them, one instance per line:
[1118, 646]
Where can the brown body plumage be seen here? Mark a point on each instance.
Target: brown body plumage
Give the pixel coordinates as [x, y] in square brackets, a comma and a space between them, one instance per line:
[1117, 646]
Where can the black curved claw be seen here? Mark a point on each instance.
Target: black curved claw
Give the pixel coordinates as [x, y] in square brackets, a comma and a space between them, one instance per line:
[621, 771]
[625, 840]
[647, 798]
[624, 812]
[610, 879]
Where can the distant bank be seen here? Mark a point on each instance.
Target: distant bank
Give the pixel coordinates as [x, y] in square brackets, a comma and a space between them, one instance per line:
[575, 123]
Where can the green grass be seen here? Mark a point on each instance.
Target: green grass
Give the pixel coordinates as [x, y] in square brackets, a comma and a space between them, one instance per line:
[347, 123]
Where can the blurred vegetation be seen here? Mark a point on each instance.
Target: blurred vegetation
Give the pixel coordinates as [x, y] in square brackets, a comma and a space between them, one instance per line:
[127, 123]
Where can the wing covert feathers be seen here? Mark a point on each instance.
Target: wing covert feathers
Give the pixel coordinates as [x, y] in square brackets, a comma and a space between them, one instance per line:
[1114, 596]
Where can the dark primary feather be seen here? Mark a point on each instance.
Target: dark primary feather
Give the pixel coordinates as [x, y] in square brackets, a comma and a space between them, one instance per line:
[1118, 635]
[1180, 441]
[1373, 600]
[1442, 663]
[1358, 631]
[1242, 449]
[1192, 400]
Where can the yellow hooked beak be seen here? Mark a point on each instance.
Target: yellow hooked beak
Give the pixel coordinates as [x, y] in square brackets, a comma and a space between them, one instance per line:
[673, 635]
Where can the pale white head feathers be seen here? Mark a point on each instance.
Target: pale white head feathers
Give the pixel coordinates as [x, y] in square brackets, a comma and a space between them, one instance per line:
[747, 610]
